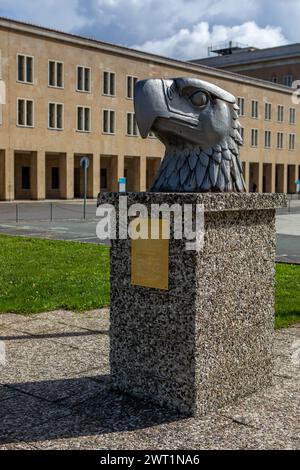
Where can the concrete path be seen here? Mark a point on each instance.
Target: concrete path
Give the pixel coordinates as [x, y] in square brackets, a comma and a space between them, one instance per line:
[55, 394]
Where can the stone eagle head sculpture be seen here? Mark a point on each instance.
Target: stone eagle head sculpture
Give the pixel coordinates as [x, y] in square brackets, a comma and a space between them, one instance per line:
[198, 124]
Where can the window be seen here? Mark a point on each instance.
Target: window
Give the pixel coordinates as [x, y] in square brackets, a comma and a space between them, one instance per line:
[25, 68]
[288, 80]
[55, 116]
[241, 105]
[56, 74]
[109, 83]
[55, 178]
[292, 116]
[131, 125]
[25, 177]
[268, 111]
[131, 82]
[280, 140]
[103, 178]
[280, 113]
[83, 79]
[268, 139]
[254, 137]
[83, 119]
[242, 132]
[292, 141]
[254, 109]
[25, 113]
[109, 121]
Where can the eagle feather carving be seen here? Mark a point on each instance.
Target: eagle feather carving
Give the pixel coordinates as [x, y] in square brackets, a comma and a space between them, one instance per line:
[199, 125]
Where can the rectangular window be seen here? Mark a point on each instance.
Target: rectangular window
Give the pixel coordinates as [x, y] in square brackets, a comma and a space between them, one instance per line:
[109, 83]
[292, 116]
[25, 68]
[268, 111]
[55, 178]
[56, 74]
[267, 139]
[254, 109]
[280, 140]
[132, 129]
[25, 177]
[254, 137]
[280, 113]
[83, 119]
[55, 116]
[25, 113]
[109, 121]
[292, 141]
[131, 82]
[288, 80]
[83, 79]
[241, 105]
[242, 132]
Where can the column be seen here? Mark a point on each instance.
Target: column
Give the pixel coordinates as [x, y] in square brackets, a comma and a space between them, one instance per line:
[285, 178]
[273, 176]
[143, 174]
[247, 175]
[9, 175]
[38, 165]
[260, 177]
[69, 176]
[96, 174]
[121, 159]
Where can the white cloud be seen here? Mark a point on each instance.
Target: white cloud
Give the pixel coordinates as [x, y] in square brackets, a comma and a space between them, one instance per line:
[179, 28]
[194, 43]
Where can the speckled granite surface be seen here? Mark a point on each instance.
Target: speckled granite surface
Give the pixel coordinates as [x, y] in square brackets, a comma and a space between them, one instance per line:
[60, 398]
[209, 339]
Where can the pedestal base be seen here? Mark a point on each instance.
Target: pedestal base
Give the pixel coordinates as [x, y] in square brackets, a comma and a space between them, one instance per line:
[207, 340]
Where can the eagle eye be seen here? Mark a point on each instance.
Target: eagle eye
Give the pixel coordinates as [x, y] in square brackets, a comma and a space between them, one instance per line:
[199, 99]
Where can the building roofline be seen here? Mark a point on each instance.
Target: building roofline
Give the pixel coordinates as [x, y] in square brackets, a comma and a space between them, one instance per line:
[46, 32]
[251, 57]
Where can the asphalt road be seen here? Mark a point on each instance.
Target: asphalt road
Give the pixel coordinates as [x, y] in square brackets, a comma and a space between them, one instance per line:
[68, 224]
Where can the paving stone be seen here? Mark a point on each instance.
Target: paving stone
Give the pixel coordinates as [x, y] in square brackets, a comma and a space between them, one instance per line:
[59, 397]
[20, 412]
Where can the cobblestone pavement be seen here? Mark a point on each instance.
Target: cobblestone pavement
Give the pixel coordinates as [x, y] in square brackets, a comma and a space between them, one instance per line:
[55, 394]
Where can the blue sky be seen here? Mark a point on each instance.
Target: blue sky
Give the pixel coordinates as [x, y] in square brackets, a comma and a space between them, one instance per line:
[177, 28]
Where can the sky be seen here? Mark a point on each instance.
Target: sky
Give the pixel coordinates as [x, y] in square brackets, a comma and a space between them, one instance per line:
[182, 29]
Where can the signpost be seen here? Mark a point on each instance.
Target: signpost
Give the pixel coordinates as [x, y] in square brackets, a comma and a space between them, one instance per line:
[85, 163]
[122, 185]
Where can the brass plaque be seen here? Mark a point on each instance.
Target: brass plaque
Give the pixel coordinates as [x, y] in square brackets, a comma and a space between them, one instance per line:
[150, 258]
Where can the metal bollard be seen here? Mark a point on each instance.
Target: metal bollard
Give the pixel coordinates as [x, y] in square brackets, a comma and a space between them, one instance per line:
[51, 212]
[17, 213]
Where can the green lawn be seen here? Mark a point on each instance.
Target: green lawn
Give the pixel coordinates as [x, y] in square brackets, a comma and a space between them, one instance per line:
[42, 275]
[287, 295]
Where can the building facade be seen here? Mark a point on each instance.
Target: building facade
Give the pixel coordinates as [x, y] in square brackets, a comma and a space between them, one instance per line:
[275, 64]
[64, 96]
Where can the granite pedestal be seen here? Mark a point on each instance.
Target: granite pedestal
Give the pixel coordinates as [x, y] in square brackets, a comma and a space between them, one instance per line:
[208, 339]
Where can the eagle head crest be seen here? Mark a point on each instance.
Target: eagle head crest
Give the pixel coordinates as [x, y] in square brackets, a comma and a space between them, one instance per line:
[198, 123]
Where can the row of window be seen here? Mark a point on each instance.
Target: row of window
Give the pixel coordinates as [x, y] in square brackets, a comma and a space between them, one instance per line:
[25, 74]
[25, 118]
[268, 111]
[287, 80]
[268, 140]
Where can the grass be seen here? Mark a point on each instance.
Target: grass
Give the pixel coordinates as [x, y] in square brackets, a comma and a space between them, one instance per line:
[287, 295]
[42, 275]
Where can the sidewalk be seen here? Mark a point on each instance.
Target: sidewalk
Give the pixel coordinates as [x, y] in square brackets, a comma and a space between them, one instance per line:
[55, 394]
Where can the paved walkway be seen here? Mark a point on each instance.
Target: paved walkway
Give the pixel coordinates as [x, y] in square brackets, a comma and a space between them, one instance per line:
[55, 394]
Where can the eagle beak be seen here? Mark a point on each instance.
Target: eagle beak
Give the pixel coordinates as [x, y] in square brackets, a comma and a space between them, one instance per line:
[149, 102]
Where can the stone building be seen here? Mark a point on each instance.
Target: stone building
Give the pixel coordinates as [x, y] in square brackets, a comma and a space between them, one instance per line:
[63, 96]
